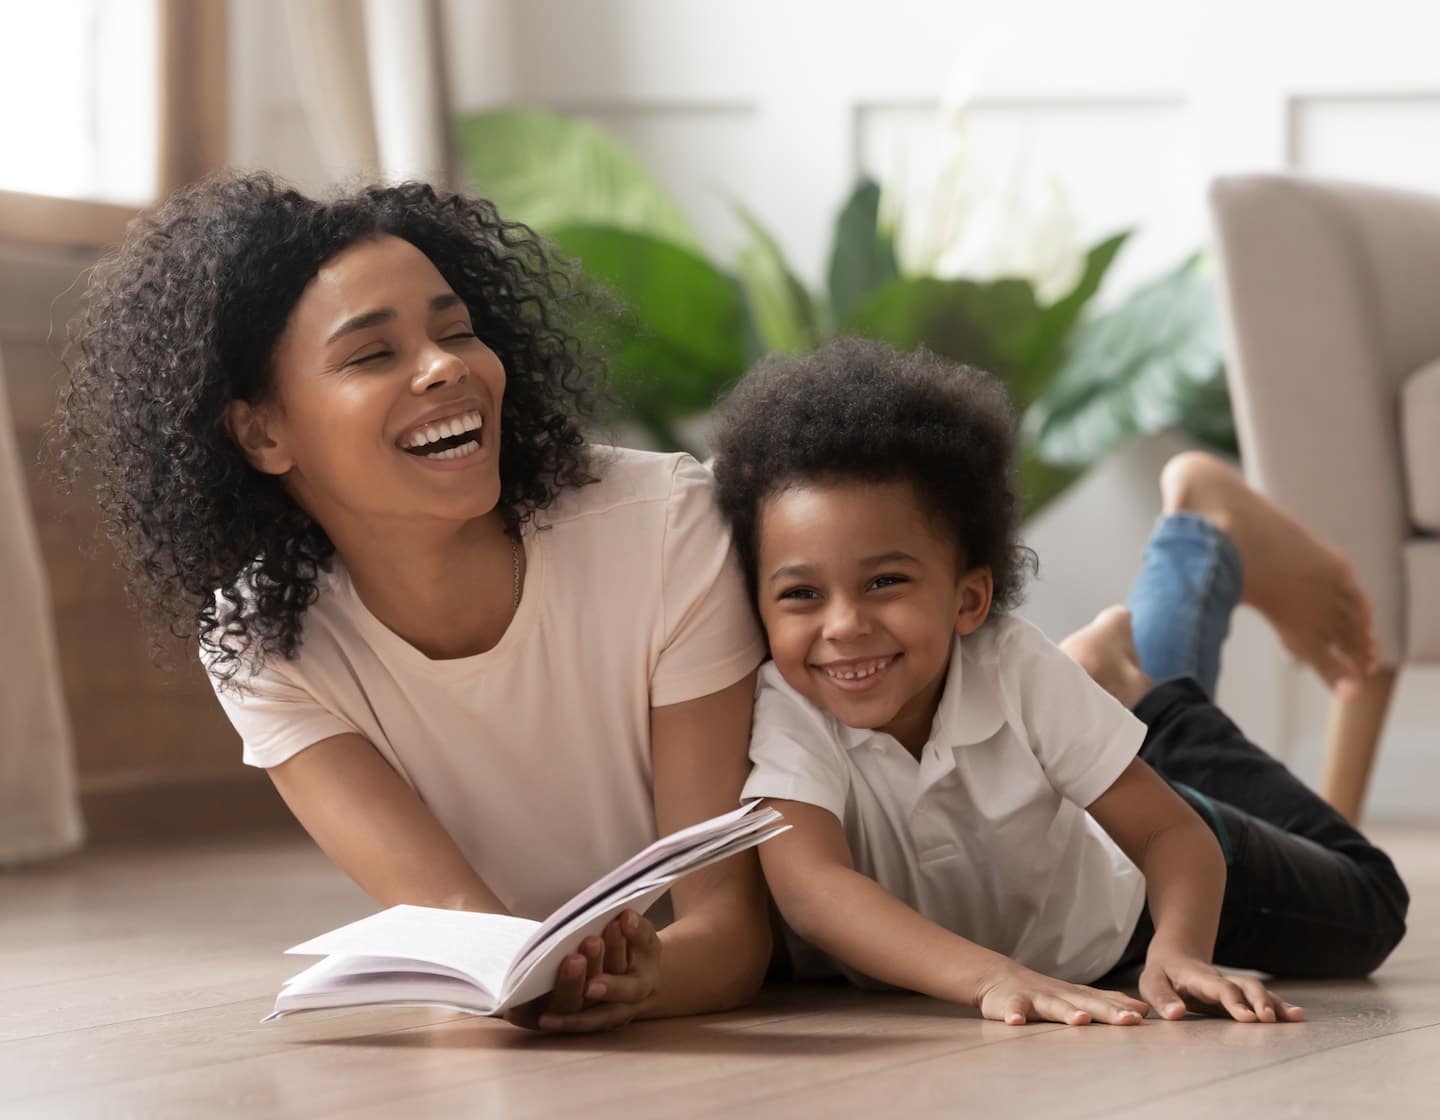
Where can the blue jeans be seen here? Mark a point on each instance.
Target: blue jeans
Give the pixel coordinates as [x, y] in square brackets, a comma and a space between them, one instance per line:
[1305, 893]
[1181, 602]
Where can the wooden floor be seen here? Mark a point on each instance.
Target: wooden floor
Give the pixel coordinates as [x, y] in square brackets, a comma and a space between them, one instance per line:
[132, 983]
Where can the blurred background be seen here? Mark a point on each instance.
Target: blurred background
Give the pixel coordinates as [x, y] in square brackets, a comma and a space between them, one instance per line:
[1019, 185]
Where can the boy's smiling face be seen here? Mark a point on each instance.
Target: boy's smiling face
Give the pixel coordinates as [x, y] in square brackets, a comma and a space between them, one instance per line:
[861, 593]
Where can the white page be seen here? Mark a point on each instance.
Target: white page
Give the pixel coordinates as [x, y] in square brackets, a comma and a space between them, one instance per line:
[404, 989]
[513, 958]
[535, 975]
[639, 894]
[480, 946]
[320, 975]
[643, 862]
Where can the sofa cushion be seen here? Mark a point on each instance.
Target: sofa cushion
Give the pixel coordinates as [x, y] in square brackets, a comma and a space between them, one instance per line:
[1420, 437]
[1422, 595]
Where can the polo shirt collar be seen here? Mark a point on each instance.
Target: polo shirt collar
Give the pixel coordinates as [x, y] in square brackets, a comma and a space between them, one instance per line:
[965, 717]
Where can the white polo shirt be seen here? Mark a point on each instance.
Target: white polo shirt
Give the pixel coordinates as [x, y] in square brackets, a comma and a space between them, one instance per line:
[986, 833]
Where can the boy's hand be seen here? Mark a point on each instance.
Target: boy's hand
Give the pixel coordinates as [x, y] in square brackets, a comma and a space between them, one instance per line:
[1018, 995]
[622, 972]
[1175, 984]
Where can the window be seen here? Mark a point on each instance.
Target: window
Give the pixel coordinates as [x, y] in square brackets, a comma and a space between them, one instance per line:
[105, 106]
[81, 100]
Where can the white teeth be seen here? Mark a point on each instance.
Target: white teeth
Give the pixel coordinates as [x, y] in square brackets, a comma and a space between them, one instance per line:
[860, 672]
[445, 429]
[460, 452]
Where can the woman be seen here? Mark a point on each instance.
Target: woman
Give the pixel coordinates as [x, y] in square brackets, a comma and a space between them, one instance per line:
[481, 660]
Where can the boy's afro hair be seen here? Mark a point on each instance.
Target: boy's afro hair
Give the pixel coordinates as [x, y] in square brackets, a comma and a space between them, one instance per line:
[183, 319]
[857, 410]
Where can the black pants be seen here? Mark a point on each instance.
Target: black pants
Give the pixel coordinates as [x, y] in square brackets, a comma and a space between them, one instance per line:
[1306, 895]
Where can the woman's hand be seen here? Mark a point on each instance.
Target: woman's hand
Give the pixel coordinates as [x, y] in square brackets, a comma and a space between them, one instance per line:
[1176, 983]
[568, 995]
[604, 985]
[1018, 995]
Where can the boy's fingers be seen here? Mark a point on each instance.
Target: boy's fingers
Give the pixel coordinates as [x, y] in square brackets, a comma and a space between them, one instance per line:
[1229, 995]
[1122, 1001]
[1159, 993]
[1107, 1011]
[1059, 1010]
[1017, 1011]
[1267, 1005]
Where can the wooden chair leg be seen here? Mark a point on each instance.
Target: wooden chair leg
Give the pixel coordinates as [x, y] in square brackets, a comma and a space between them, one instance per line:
[1355, 727]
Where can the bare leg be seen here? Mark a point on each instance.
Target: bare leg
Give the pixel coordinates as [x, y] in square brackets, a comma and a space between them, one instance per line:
[1106, 650]
[1354, 735]
[1307, 591]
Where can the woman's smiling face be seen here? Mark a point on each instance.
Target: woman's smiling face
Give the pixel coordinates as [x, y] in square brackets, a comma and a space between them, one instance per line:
[385, 404]
[861, 596]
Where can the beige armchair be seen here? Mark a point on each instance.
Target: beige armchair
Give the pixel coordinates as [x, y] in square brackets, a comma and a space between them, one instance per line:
[1331, 302]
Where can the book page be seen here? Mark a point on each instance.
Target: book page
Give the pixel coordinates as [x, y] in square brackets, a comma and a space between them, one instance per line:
[637, 883]
[478, 946]
[675, 846]
[534, 973]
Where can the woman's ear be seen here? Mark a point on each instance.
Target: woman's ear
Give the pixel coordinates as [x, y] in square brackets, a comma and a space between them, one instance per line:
[256, 431]
[976, 591]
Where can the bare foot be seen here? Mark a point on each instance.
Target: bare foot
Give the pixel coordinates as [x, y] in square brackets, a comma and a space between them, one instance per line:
[1307, 591]
[1106, 650]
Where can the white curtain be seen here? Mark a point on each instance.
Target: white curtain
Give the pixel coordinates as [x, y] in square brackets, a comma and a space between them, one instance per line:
[372, 83]
[39, 806]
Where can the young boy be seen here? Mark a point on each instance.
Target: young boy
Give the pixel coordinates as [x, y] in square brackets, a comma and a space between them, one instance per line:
[974, 817]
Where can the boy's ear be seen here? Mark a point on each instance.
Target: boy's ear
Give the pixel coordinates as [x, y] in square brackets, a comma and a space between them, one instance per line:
[977, 589]
[253, 430]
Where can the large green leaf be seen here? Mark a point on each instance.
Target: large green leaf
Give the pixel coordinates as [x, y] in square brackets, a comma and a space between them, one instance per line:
[862, 259]
[679, 340]
[550, 171]
[1040, 482]
[782, 315]
[982, 324]
[1152, 363]
[1046, 347]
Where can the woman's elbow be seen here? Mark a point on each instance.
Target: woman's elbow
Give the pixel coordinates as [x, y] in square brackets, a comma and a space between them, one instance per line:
[750, 961]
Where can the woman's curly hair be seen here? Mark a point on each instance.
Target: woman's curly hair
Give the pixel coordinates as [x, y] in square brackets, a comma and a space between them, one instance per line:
[183, 319]
[860, 411]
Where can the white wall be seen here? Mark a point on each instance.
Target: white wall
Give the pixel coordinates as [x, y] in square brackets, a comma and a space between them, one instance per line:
[1128, 107]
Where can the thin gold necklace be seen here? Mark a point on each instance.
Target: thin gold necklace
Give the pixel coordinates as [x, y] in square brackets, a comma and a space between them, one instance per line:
[515, 566]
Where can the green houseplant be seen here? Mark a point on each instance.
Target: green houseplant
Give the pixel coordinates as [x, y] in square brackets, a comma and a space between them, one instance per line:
[686, 327]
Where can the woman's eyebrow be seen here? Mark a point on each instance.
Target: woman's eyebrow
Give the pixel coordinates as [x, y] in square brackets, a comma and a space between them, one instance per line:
[385, 314]
[362, 322]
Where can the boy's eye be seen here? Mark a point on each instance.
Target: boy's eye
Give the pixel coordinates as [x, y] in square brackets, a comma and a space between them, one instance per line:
[459, 336]
[799, 593]
[881, 582]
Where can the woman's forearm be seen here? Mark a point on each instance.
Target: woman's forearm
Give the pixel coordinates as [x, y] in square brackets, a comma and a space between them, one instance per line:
[709, 962]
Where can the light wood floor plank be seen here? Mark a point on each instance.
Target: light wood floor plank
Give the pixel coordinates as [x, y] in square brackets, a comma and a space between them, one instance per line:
[132, 982]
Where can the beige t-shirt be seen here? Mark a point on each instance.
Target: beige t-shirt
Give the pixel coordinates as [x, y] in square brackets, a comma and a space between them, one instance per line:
[535, 755]
[986, 833]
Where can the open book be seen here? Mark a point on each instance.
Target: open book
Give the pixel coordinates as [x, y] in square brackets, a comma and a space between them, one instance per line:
[486, 963]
